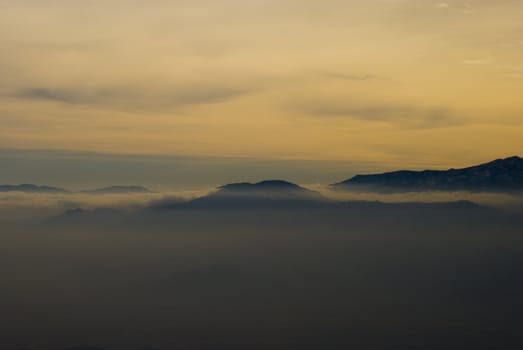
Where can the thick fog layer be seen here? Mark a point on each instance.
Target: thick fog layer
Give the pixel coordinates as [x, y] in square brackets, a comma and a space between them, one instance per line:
[360, 275]
[17, 206]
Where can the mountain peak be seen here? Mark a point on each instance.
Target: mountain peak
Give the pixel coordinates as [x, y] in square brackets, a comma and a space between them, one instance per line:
[31, 188]
[500, 175]
[268, 194]
[263, 186]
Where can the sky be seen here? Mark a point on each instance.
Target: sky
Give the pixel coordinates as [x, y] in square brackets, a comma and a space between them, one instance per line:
[393, 83]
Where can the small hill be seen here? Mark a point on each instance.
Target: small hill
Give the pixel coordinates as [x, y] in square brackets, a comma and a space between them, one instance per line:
[30, 188]
[269, 194]
[277, 188]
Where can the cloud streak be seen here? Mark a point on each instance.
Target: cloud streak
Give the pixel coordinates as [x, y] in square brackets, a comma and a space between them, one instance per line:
[477, 61]
[350, 77]
[152, 98]
[401, 115]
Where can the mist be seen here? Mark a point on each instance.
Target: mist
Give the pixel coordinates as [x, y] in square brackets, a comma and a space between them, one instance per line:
[128, 274]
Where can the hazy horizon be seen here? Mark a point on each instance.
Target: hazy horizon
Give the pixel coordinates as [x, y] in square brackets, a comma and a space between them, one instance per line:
[88, 170]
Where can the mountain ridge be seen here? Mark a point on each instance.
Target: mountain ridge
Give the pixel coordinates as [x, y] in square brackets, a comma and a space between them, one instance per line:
[31, 188]
[500, 175]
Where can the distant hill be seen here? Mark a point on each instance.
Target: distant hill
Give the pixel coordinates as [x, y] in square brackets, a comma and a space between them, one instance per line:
[263, 203]
[90, 217]
[278, 188]
[501, 175]
[269, 193]
[119, 189]
[31, 189]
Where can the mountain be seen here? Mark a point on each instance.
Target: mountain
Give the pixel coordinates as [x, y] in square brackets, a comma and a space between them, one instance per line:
[79, 217]
[269, 193]
[31, 188]
[278, 188]
[119, 190]
[501, 175]
[272, 202]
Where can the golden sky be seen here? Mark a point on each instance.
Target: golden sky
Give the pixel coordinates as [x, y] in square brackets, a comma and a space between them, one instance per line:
[394, 81]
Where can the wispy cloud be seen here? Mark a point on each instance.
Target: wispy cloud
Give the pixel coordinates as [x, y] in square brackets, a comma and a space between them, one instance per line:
[402, 115]
[70, 96]
[441, 5]
[477, 61]
[152, 98]
[347, 76]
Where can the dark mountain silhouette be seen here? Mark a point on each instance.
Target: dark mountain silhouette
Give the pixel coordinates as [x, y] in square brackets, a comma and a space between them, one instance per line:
[501, 175]
[277, 188]
[80, 217]
[216, 213]
[285, 196]
[31, 188]
[269, 193]
[118, 189]
[266, 201]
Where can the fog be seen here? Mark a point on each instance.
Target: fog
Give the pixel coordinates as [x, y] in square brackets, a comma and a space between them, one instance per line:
[20, 206]
[126, 274]
[505, 201]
